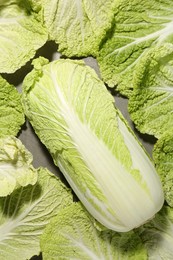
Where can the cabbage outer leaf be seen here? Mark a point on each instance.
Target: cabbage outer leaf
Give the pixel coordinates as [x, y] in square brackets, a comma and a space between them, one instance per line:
[151, 102]
[25, 213]
[75, 117]
[22, 33]
[138, 26]
[157, 235]
[72, 235]
[78, 26]
[11, 111]
[163, 158]
[15, 166]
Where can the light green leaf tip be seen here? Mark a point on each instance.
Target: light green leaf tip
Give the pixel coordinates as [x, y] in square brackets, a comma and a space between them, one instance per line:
[26, 212]
[15, 166]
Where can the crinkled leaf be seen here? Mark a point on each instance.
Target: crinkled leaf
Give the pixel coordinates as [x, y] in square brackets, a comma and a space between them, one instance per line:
[72, 235]
[163, 157]
[75, 117]
[151, 102]
[78, 26]
[11, 112]
[22, 32]
[157, 235]
[138, 26]
[25, 213]
[15, 166]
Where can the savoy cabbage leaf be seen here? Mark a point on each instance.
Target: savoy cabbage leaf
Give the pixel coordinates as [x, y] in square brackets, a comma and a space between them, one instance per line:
[138, 26]
[75, 117]
[26, 212]
[72, 235]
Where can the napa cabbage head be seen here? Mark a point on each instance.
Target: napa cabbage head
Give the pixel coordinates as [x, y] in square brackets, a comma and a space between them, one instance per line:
[75, 117]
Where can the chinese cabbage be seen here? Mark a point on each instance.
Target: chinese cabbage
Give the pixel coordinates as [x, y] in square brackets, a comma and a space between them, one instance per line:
[75, 117]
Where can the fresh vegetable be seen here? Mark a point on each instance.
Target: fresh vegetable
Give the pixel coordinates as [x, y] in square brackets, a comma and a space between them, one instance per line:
[163, 158]
[157, 235]
[15, 166]
[151, 102]
[75, 117]
[26, 212]
[11, 111]
[72, 235]
[88, 138]
[138, 25]
[22, 33]
[81, 31]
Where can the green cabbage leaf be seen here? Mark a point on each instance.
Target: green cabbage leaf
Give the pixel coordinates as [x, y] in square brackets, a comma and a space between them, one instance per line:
[72, 235]
[163, 158]
[157, 235]
[15, 166]
[151, 103]
[138, 26]
[78, 26]
[11, 111]
[25, 213]
[75, 117]
[22, 33]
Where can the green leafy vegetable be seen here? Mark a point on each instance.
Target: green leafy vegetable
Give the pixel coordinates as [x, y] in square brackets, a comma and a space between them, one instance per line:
[72, 235]
[25, 213]
[151, 102]
[78, 26]
[157, 235]
[163, 158]
[138, 26]
[11, 111]
[15, 166]
[21, 33]
[75, 117]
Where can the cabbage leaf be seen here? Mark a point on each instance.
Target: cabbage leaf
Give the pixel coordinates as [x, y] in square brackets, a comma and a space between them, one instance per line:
[72, 235]
[163, 158]
[151, 103]
[25, 213]
[11, 111]
[138, 26]
[15, 166]
[157, 235]
[78, 26]
[22, 33]
[74, 115]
